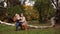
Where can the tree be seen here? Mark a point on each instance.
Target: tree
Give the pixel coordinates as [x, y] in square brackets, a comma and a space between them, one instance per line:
[13, 2]
[3, 12]
[45, 9]
[12, 10]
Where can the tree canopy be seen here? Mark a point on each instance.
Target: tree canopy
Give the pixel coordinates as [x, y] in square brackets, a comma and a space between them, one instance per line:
[45, 9]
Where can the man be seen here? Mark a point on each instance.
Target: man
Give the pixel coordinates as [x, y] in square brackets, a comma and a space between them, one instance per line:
[17, 19]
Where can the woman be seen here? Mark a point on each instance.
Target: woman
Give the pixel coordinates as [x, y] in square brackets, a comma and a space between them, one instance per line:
[24, 23]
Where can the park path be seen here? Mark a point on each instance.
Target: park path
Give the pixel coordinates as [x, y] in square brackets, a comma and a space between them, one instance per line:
[32, 26]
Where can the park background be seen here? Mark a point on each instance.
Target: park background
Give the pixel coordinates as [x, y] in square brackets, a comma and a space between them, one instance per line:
[38, 13]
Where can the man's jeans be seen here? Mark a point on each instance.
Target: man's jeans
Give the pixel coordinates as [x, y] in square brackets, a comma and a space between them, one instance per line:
[18, 24]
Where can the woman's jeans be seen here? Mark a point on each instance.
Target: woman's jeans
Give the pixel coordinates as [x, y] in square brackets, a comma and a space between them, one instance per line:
[18, 24]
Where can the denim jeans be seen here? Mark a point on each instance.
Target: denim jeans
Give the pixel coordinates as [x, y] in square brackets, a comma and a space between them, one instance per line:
[18, 24]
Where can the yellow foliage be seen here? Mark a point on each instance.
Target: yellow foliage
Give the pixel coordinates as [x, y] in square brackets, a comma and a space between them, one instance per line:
[31, 13]
[26, 7]
[28, 17]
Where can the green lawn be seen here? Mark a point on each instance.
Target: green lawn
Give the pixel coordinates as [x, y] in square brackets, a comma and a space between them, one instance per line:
[37, 23]
[5, 29]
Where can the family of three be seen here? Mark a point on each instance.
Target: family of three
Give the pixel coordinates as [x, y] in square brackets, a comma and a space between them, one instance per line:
[20, 21]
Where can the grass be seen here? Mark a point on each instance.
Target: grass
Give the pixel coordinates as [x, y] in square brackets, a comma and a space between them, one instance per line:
[37, 23]
[5, 29]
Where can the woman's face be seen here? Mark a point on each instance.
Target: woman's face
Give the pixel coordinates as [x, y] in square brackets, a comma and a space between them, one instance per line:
[22, 15]
[17, 15]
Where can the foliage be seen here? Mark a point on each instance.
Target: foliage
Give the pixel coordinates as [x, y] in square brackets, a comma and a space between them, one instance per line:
[45, 9]
[31, 14]
[12, 10]
[8, 13]
[3, 12]
[42, 9]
